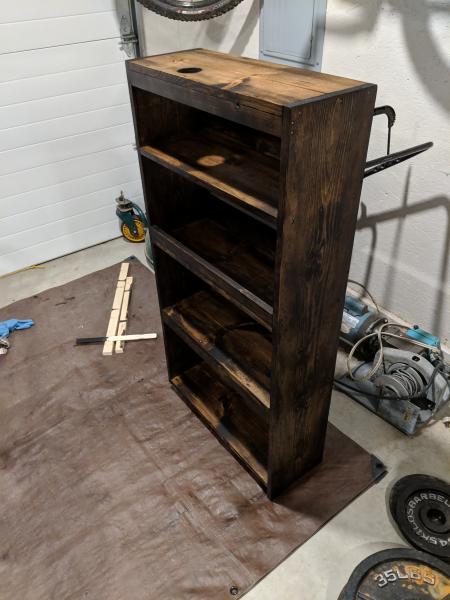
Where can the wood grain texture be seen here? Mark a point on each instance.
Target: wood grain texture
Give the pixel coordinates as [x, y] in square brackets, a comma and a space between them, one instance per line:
[239, 164]
[224, 153]
[124, 268]
[174, 283]
[247, 178]
[118, 296]
[325, 147]
[263, 85]
[215, 277]
[249, 262]
[223, 412]
[238, 349]
[108, 347]
[225, 104]
[120, 344]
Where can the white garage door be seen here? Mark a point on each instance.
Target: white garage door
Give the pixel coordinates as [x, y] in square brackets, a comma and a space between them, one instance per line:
[66, 136]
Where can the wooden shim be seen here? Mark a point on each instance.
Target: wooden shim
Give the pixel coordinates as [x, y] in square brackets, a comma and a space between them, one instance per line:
[124, 309]
[133, 337]
[120, 346]
[115, 338]
[123, 271]
[118, 296]
[128, 283]
[120, 331]
[108, 347]
[126, 299]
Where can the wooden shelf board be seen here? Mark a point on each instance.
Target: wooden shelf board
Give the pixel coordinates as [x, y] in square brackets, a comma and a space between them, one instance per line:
[264, 85]
[250, 262]
[231, 282]
[246, 178]
[222, 335]
[200, 404]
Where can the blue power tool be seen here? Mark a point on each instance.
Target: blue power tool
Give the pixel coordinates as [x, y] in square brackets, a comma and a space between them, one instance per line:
[358, 320]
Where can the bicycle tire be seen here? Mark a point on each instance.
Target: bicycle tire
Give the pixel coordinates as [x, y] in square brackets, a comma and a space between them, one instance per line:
[178, 10]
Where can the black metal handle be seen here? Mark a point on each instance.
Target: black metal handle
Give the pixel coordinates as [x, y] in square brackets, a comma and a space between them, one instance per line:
[93, 340]
[390, 114]
[390, 160]
[386, 110]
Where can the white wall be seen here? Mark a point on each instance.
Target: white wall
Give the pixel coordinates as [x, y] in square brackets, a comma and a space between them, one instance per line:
[402, 243]
[236, 32]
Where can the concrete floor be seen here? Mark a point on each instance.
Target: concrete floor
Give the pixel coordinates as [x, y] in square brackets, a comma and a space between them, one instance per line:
[319, 569]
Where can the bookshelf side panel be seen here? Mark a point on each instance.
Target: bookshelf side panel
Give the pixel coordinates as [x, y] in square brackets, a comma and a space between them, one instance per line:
[324, 151]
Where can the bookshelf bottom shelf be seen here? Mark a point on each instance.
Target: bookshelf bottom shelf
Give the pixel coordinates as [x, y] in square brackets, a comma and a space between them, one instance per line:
[240, 431]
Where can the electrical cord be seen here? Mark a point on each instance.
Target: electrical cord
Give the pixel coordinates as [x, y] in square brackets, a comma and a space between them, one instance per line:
[440, 367]
[366, 291]
[338, 383]
[379, 334]
[402, 376]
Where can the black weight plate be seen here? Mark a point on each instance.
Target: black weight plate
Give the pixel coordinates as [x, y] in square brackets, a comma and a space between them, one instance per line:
[420, 505]
[399, 574]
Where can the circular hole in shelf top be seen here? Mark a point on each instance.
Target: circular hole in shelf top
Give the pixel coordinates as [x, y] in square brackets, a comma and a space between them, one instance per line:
[189, 70]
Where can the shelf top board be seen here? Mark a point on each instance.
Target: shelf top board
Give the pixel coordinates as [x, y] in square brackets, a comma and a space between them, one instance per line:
[263, 82]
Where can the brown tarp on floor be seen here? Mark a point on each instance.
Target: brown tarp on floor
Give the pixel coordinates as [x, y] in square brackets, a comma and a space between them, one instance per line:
[111, 489]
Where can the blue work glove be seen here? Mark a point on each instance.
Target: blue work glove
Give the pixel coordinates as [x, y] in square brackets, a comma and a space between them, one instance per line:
[7, 326]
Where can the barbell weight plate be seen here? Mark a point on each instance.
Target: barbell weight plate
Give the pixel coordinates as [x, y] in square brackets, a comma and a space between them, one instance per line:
[420, 506]
[399, 574]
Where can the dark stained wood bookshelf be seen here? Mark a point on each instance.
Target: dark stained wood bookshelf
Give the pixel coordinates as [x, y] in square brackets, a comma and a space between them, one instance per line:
[252, 174]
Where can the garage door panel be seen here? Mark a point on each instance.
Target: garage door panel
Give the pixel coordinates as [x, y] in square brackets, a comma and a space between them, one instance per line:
[62, 192]
[63, 127]
[25, 113]
[13, 243]
[66, 171]
[61, 211]
[48, 249]
[66, 134]
[29, 35]
[55, 151]
[27, 10]
[60, 84]
[60, 59]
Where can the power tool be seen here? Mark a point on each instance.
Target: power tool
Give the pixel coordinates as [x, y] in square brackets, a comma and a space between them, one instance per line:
[403, 377]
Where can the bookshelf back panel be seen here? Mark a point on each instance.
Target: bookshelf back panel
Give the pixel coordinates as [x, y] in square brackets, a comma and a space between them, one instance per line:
[233, 158]
[161, 117]
[226, 415]
[241, 247]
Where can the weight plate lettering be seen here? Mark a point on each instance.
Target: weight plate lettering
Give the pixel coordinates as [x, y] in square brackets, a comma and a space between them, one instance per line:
[420, 505]
[399, 574]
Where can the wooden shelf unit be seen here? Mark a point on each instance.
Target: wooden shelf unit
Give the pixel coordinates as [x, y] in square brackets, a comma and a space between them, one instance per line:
[222, 167]
[252, 174]
[238, 349]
